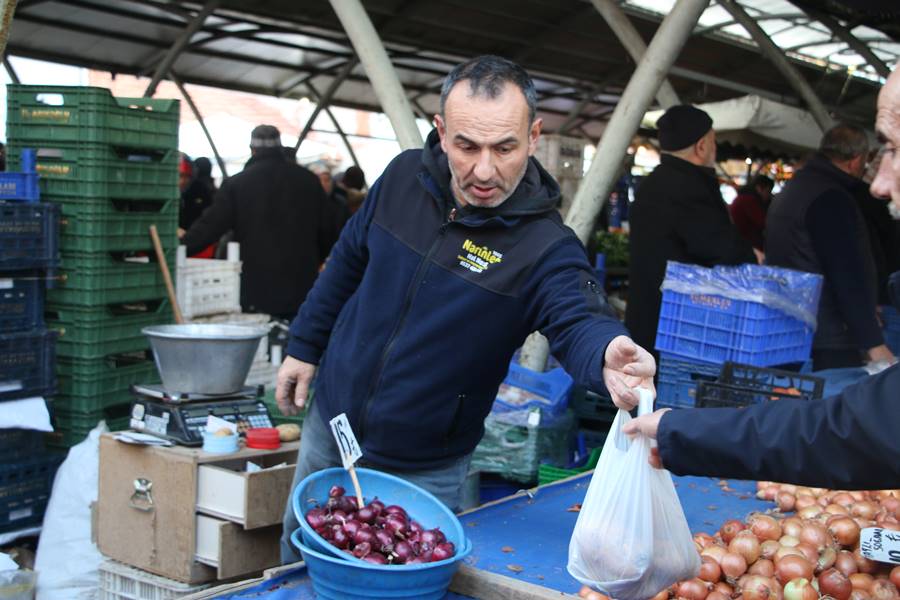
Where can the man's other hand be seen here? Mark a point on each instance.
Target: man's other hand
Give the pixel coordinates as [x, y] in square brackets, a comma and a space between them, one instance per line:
[292, 388]
[625, 366]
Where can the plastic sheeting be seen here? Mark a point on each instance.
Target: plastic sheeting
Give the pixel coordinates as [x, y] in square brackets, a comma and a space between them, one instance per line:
[794, 293]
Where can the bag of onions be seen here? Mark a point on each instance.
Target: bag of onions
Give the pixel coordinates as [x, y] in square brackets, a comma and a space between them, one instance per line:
[631, 538]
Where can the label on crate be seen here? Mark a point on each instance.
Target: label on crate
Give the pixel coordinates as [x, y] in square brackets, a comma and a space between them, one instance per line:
[22, 513]
[346, 441]
[883, 545]
[6, 283]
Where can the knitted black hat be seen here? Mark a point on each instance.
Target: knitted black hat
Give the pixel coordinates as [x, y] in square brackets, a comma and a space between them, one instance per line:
[681, 126]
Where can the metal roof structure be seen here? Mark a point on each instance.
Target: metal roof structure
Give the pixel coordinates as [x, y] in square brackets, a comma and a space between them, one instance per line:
[292, 48]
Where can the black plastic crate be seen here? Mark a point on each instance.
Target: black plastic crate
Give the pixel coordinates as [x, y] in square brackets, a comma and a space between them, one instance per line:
[592, 407]
[25, 488]
[29, 235]
[772, 381]
[21, 300]
[17, 443]
[712, 394]
[27, 361]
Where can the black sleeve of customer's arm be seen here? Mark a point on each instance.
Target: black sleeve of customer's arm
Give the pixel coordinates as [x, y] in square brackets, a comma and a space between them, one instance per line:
[212, 224]
[832, 224]
[848, 441]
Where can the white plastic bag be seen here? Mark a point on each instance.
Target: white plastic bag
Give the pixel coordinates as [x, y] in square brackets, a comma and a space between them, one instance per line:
[67, 561]
[631, 539]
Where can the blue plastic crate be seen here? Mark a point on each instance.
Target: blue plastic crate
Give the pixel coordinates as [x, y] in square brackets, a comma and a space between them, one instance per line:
[21, 187]
[25, 487]
[29, 235]
[524, 389]
[27, 361]
[717, 329]
[678, 379]
[891, 319]
[21, 300]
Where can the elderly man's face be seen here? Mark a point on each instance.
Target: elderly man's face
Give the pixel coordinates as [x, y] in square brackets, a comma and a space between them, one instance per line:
[887, 179]
[488, 142]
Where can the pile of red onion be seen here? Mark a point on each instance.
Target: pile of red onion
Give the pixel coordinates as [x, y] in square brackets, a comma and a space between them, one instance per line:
[379, 534]
[811, 554]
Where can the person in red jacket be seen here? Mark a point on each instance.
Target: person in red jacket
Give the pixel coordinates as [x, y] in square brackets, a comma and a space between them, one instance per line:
[848, 441]
[748, 211]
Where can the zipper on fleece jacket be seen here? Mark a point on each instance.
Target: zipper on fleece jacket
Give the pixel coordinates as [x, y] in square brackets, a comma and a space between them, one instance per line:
[404, 313]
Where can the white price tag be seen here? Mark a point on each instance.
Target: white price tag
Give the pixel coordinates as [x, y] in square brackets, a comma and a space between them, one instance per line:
[346, 441]
[883, 545]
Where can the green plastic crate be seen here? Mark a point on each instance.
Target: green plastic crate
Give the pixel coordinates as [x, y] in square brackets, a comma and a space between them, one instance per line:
[117, 227]
[100, 278]
[84, 378]
[549, 473]
[72, 427]
[72, 170]
[41, 113]
[93, 332]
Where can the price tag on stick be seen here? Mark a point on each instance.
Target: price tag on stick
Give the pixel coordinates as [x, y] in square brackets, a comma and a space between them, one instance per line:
[883, 545]
[349, 449]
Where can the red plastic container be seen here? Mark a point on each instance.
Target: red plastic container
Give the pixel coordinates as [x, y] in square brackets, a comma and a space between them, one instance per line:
[263, 438]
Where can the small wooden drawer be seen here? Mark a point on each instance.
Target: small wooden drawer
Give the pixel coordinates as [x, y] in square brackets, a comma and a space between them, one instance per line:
[233, 550]
[258, 499]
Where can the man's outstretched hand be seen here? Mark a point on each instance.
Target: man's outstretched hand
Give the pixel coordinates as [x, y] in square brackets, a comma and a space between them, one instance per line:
[625, 366]
[292, 388]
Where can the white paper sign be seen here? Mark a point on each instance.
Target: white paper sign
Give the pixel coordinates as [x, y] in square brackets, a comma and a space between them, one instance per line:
[214, 423]
[883, 545]
[346, 441]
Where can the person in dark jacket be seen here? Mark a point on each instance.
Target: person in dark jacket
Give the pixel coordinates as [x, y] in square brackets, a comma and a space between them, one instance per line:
[276, 210]
[748, 210]
[199, 194]
[815, 225]
[456, 255]
[848, 441]
[678, 214]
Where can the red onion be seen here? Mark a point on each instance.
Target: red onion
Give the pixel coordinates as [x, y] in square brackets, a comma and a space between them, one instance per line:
[377, 506]
[362, 550]
[336, 491]
[375, 558]
[402, 552]
[366, 515]
[835, 584]
[395, 524]
[384, 541]
[316, 518]
[443, 551]
[351, 526]
[393, 509]
[340, 539]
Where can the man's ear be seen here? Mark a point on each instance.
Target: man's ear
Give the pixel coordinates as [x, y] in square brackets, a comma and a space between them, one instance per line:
[533, 135]
[442, 131]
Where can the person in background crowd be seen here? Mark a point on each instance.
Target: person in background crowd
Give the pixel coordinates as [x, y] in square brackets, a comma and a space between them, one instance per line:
[848, 441]
[277, 211]
[185, 172]
[748, 211]
[678, 214]
[815, 225]
[337, 213]
[199, 193]
[456, 256]
[353, 182]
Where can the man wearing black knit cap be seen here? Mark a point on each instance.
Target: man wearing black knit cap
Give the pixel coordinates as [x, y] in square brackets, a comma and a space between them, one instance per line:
[678, 215]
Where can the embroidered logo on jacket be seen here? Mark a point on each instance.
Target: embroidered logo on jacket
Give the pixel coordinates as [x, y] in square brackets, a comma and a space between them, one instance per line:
[478, 258]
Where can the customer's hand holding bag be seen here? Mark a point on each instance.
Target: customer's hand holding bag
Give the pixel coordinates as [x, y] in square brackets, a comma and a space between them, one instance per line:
[631, 539]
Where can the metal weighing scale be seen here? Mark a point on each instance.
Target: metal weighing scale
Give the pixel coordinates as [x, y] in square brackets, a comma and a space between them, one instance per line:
[182, 417]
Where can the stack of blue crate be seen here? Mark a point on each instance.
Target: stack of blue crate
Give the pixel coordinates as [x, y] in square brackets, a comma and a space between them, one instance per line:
[29, 255]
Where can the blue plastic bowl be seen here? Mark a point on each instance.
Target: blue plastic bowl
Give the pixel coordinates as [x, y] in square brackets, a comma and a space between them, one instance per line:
[419, 504]
[337, 579]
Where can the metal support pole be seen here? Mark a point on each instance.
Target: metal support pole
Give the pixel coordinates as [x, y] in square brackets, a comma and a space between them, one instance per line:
[665, 47]
[777, 57]
[624, 29]
[381, 73]
[325, 99]
[851, 40]
[334, 120]
[576, 110]
[13, 76]
[179, 44]
[6, 17]
[199, 117]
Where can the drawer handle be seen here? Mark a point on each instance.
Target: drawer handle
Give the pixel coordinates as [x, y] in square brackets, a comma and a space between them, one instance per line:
[141, 499]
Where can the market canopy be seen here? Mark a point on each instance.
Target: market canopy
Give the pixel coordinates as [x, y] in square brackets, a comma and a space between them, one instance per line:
[280, 47]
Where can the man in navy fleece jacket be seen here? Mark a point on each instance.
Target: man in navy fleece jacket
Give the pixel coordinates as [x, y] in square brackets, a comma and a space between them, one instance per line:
[456, 255]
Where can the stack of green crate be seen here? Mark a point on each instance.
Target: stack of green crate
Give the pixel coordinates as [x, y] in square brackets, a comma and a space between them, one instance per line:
[111, 164]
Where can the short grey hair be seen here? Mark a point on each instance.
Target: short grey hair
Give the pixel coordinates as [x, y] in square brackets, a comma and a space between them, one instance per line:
[844, 142]
[487, 75]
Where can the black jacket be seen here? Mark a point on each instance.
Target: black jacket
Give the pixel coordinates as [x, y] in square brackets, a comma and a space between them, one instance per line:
[814, 225]
[848, 441]
[277, 210]
[884, 238]
[195, 199]
[415, 318]
[678, 215]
